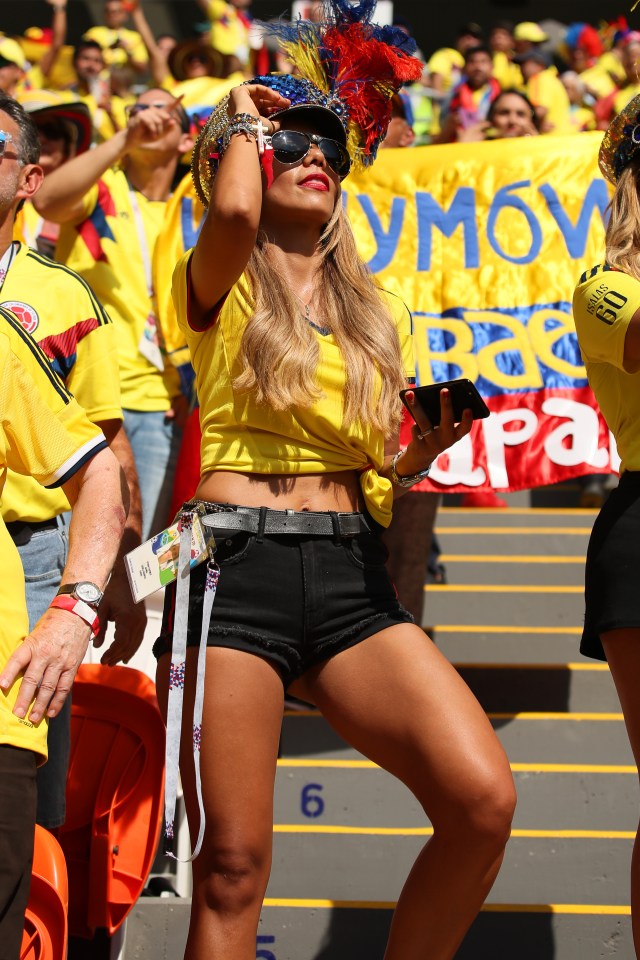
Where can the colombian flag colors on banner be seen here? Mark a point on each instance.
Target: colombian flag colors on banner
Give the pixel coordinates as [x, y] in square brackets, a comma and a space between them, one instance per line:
[485, 243]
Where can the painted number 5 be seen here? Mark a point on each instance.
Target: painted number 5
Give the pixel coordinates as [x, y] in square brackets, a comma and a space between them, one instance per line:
[311, 802]
[264, 954]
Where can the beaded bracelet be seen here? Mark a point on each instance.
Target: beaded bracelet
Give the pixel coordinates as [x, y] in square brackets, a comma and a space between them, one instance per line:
[240, 126]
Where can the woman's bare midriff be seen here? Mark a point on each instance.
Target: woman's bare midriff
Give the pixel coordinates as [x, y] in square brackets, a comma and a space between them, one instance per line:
[317, 492]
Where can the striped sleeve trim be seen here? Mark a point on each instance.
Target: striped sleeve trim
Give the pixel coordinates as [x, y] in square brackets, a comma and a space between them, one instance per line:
[101, 314]
[78, 460]
[38, 355]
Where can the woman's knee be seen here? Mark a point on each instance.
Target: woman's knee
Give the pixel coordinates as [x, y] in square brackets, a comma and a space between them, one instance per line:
[231, 878]
[481, 812]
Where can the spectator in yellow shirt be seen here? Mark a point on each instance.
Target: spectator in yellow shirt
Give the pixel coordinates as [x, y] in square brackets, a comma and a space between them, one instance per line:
[120, 46]
[545, 91]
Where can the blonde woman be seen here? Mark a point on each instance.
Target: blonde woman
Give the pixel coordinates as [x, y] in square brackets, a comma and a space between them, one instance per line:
[607, 315]
[299, 359]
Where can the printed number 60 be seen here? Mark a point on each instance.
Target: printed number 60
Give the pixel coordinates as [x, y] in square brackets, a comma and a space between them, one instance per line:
[265, 954]
[311, 802]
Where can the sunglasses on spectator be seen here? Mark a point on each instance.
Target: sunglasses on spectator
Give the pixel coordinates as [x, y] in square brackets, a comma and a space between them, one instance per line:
[291, 146]
[5, 138]
[134, 109]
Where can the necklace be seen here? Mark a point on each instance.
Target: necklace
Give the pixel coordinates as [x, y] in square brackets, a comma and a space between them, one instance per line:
[324, 331]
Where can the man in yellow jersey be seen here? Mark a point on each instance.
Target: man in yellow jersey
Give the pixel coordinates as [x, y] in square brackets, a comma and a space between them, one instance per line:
[545, 91]
[60, 311]
[121, 47]
[44, 434]
[111, 203]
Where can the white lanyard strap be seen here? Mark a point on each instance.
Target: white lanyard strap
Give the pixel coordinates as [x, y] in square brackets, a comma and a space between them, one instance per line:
[7, 259]
[176, 686]
[142, 241]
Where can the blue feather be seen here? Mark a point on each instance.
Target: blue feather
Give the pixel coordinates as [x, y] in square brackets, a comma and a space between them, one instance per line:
[345, 11]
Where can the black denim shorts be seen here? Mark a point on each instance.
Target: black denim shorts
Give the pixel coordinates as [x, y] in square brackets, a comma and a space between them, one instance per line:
[295, 600]
[613, 560]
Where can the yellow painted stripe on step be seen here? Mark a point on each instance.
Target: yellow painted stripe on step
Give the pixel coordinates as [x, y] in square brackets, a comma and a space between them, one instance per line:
[518, 511]
[576, 667]
[475, 628]
[576, 717]
[524, 715]
[556, 908]
[310, 764]
[566, 908]
[337, 829]
[505, 558]
[498, 588]
[565, 531]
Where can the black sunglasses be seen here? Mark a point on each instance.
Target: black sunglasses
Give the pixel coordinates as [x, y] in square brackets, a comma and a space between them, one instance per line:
[291, 146]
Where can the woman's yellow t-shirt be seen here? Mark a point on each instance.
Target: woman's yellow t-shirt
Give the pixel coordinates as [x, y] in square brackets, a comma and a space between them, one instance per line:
[604, 302]
[241, 435]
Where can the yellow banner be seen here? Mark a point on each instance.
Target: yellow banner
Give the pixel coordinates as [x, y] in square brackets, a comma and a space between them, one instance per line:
[485, 243]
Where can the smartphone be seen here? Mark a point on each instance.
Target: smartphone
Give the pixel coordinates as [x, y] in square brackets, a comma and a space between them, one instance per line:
[464, 396]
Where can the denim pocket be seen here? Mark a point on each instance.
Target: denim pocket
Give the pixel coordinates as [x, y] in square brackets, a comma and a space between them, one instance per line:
[366, 552]
[233, 549]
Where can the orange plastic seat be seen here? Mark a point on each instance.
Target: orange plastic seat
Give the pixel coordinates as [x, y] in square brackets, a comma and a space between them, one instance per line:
[114, 795]
[45, 921]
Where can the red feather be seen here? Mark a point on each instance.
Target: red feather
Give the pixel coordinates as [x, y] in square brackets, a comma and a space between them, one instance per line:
[358, 56]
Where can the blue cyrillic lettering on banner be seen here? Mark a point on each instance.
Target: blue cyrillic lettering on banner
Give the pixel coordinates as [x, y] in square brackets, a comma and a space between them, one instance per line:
[503, 200]
[575, 237]
[189, 233]
[387, 240]
[462, 211]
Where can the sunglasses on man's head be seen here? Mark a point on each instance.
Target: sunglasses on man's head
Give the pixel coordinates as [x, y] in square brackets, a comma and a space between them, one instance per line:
[291, 146]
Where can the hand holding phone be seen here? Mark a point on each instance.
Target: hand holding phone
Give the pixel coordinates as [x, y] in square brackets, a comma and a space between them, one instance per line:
[464, 396]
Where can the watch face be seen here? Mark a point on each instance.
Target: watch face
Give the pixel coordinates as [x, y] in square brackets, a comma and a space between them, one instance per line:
[88, 592]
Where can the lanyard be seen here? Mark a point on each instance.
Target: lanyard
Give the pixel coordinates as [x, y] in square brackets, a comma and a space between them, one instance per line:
[7, 259]
[142, 241]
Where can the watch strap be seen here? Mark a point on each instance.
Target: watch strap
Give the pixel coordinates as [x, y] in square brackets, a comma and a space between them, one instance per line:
[71, 588]
[81, 609]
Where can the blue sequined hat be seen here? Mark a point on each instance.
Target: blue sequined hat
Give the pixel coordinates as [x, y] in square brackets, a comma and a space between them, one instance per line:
[328, 112]
[621, 142]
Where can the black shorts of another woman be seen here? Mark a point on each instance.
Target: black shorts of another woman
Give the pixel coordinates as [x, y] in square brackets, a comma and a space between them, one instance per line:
[293, 600]
[612, 579]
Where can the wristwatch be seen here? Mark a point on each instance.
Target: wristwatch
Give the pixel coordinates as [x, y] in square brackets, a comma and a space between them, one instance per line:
[411, 480]
[83, 590]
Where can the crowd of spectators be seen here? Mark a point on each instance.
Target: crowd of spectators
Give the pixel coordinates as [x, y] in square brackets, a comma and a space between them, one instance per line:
[560, 78]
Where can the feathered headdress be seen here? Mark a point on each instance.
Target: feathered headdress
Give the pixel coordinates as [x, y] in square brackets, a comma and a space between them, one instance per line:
[345, 64]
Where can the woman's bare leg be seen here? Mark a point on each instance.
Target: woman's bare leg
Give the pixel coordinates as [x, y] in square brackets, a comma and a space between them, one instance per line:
[240, 734]
[398, 701]
[622, 648]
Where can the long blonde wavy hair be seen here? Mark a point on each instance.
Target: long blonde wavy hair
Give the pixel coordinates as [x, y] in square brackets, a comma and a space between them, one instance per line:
[623, 230]
[280, 351]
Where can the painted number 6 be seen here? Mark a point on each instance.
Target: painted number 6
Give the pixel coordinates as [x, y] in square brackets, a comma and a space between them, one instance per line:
[264, 954]
[311, 802]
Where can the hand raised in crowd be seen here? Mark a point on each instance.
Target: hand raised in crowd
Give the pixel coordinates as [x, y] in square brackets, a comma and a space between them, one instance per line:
[258, 100]
[148, 124]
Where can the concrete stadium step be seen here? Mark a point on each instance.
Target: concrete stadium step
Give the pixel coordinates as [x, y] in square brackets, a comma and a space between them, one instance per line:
[569, 738]
[504, 604]
[587, 798]
[534, 570]
[514, 644]
[321, 930]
